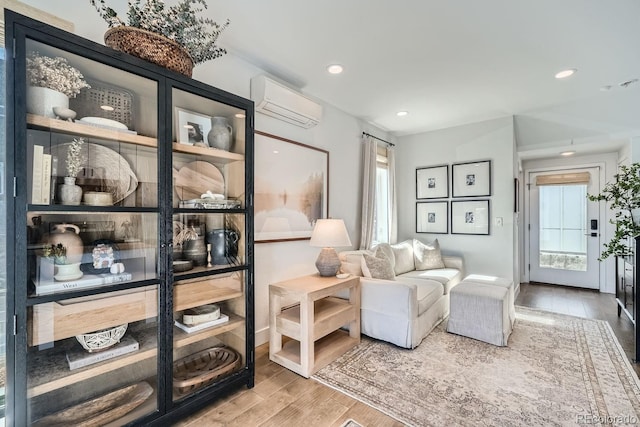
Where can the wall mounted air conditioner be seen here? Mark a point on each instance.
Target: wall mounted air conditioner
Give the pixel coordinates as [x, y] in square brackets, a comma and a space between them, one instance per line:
[277, 100]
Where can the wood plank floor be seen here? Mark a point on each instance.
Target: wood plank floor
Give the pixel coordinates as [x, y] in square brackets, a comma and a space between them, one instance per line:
[282, 398]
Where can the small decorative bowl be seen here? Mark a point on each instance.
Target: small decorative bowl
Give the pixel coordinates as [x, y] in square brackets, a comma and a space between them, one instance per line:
[204, 313]
[102, 340]
[182, 265]
[98, 198]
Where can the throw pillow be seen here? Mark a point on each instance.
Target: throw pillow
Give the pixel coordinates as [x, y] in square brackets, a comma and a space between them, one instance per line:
[403, 255]
[351, 268]
[386, 249]
[427, 256]
[377, 267]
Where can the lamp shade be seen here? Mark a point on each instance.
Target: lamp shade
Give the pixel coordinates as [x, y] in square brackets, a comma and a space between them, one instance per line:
[330, 233]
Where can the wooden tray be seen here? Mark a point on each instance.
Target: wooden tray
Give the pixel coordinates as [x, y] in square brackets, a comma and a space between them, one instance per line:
[202, 368]
[101, 410]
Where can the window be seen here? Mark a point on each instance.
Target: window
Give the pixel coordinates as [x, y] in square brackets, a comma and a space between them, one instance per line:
[381, 222]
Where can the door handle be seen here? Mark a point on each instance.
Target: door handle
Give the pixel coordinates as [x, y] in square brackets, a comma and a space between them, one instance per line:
[591, 234]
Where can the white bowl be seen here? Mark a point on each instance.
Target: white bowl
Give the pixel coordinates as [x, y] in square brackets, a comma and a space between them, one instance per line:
[100, 121]
[98, 198]
[101, 340]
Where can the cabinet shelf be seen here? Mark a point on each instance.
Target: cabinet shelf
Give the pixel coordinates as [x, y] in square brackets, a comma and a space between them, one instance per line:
[90, 131]
[50, 370]
[221, 156]
[326, 350]
[329, 314]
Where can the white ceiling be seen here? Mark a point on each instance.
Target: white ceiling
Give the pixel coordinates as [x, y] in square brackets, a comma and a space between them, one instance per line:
[446, 62]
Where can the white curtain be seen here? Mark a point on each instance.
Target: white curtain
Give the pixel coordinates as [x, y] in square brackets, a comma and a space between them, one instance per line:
[393, 211]
[369, 146]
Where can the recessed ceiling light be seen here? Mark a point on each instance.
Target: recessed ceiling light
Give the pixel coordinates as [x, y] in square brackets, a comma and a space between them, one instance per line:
[567, 153]
[605, 88]
[275, 152]
[402, 113]
[565, 73]
[240, 115]
[335, 69]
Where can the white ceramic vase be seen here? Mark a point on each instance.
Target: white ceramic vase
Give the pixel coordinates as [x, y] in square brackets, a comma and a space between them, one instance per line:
[66, 272]
[41, 100]
[70, 193]
[220, 134]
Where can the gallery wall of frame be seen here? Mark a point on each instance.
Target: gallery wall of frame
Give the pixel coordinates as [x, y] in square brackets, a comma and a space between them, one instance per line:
[469, 213]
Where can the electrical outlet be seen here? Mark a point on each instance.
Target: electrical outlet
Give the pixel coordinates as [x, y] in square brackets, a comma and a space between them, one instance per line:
[499, 221]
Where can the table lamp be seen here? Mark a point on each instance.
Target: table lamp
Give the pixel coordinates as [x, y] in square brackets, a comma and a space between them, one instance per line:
[329, 234]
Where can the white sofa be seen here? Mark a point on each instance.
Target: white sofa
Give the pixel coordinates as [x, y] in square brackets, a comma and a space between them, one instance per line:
[403, 311]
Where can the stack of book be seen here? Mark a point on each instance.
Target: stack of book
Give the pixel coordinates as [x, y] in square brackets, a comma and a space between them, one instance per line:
[43, 177]
[204, 325]
[79, 358]
[87, 281]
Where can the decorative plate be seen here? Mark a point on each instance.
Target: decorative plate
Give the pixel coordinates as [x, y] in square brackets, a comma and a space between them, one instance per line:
[196, 178]
[100, 121]
[101, 410]
[114, 170]
[102, 340]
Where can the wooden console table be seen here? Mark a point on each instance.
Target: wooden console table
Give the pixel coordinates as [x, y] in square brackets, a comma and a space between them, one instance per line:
[314, 321]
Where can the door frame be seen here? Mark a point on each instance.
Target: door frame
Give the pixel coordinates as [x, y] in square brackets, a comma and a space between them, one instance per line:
[602, 213]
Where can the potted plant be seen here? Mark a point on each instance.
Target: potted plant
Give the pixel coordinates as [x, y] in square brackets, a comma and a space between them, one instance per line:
[181, 235]
[623, 194]
[70, 193]
[51, 82]
[172, 37]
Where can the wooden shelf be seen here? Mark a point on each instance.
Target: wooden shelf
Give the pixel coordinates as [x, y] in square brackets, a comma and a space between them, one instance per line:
[326, 350]
[90, 131]
[49, 369]
[330, 314]
[221, 156]
[182, 338]
[195, 292]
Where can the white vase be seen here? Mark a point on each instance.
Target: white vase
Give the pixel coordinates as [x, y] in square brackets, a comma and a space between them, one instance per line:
[70, 193]
[41, 100]
[66, 272]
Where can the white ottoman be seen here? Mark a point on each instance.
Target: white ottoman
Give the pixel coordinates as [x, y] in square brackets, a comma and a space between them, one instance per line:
[480, 311]
[497, 281]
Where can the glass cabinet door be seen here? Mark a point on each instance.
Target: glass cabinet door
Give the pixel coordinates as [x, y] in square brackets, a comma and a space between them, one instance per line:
[92, 246]
[209, 257]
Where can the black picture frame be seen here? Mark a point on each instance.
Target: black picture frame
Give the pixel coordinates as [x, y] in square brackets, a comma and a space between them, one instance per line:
[471, 179]
[432, 182]
[432, 217]
[471, 217]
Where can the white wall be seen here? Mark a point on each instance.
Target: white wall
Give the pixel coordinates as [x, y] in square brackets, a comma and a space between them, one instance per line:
[609, 161]
[339, 133]
[491, 140]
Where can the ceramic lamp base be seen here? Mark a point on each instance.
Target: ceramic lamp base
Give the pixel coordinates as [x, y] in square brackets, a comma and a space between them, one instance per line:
[328, 262]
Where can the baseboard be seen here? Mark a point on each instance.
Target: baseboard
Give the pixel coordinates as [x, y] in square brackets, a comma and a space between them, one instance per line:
[262, 336]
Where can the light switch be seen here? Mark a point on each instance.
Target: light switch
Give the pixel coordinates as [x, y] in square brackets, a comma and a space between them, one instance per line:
[498, 221]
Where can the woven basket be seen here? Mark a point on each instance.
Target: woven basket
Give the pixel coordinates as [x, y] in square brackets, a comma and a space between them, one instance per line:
[202, 368]
[89, 101]
[151, 47]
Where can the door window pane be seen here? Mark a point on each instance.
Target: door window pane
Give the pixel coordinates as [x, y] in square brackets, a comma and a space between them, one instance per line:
[563, 227]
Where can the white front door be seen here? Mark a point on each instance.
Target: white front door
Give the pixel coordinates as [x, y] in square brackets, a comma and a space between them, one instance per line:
[564, 234]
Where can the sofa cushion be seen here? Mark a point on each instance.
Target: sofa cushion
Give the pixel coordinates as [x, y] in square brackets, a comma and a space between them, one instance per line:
[448, 277]
[403, 255]
[386, 249]
[351, 268]
[350, 261]
[428, 291]
[427, 256]
[378, 266]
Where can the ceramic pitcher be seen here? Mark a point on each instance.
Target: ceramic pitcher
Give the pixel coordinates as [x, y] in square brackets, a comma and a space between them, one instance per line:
[220, 134]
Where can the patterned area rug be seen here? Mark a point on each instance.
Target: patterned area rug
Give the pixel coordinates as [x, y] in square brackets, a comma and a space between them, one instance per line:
[557, 371]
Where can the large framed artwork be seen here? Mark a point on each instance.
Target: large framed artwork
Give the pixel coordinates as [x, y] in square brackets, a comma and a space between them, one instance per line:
[471, 179]
[432, 217]
[291, 188]
[470, 217]
[432, 182]
[192, 128]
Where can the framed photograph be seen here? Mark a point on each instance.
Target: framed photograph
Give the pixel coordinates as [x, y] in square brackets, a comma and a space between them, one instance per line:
[432, 217]
[471, 179]
[432, 182]
[470, 217]
[192, 128]
[291, 188]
